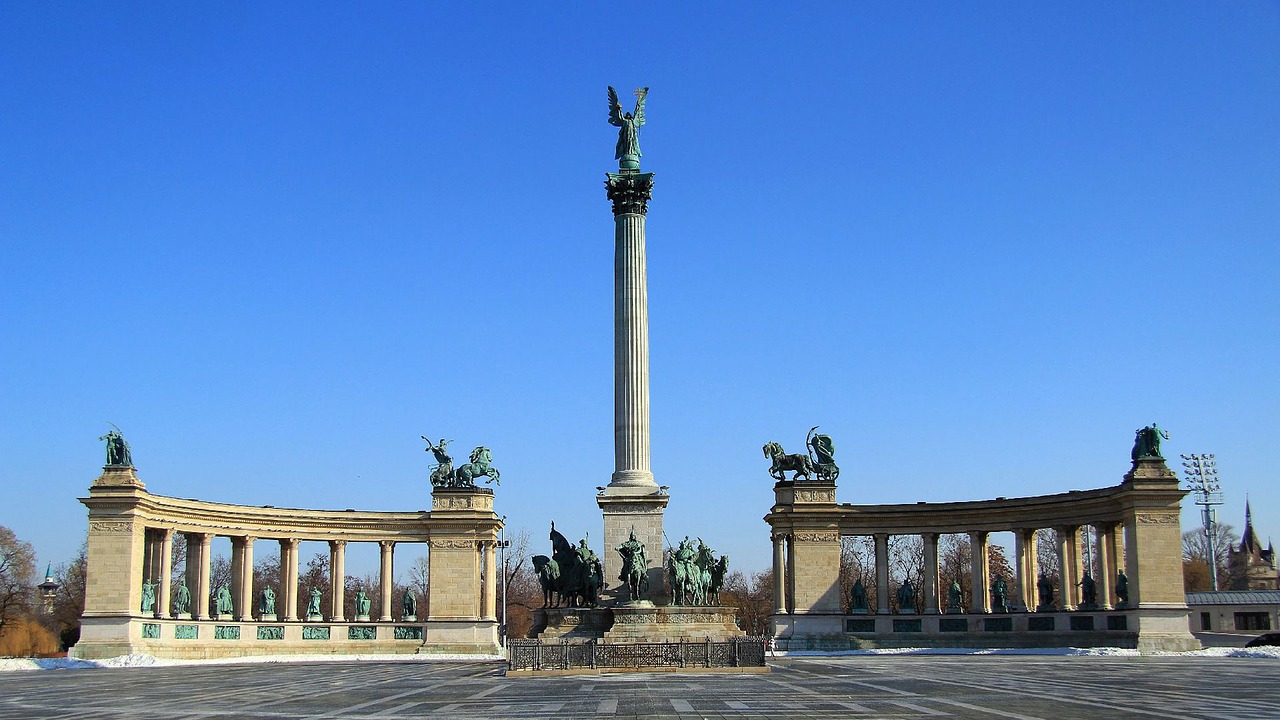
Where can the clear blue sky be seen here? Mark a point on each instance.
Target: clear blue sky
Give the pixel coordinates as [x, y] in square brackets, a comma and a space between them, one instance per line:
[978, 245]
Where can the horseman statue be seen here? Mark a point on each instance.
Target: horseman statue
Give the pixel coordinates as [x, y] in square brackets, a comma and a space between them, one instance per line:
[635, 567]
[695, 573]
[443, 474]
[571, 576]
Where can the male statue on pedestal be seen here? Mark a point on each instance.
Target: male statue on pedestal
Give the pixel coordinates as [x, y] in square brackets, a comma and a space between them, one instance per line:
[635, 567]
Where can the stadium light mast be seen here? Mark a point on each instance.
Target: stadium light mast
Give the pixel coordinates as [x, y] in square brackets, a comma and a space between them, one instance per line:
[1202, 474]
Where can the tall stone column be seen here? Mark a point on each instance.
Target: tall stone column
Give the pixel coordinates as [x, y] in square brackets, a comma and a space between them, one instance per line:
[882, 574]
[1112, 548]
[1105, 564]
[1068, 570]
[289, 577]
[779, 575]
[385, 579]
[338, 578]
[632, 501]
[244, 602]
[930, 573]
[165, 596]
[1028, 567]
[981, 600]
[202, 594]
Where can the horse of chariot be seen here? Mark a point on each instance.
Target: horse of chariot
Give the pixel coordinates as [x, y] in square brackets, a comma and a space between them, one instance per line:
[819, 463]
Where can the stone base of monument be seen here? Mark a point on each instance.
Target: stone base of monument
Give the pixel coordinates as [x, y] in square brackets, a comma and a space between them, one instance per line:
[672, 624]
[467, 637]
[267, 618]
[557, 623]
[362, 618]
[636, 623]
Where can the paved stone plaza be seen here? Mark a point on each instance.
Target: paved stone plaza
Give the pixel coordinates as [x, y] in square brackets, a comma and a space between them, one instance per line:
[811, 687]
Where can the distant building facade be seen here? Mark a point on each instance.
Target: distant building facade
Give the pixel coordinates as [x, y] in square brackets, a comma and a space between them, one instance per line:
[1250, 566]
[1234, 610]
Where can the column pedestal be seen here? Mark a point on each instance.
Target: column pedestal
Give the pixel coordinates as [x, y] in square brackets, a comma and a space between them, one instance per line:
[626, 509]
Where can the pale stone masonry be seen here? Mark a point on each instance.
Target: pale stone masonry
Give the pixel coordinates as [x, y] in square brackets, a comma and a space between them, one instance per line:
[1136, 524]
[130, 531]
[632, 500]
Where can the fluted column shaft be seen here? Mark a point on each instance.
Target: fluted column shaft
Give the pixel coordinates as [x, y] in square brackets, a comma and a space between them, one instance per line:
[978, 545]
[882, 574]
[202, 594]
[166, 573]
[385, 579]
[338, 577]
[779, 575]
[930, 573]
[630, 352]
[244, 598]
[289, 577]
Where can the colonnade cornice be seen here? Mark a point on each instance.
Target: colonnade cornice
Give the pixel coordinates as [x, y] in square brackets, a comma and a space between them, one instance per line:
[1110, 505]
[185, 515]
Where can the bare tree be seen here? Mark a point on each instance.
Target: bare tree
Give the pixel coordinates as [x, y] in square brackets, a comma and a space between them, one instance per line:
[68, 604]
[1195, 554]
[751, 600]
[17, 571]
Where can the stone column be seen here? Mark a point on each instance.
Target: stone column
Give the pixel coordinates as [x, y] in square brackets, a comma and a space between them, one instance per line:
[632, 500]
[1068, 550]
[165, 596]
[489, 606]
[791, 573]
[338, 578]
[882, 574]
[289, 577]
[1114, 557]
[244, 605]
[1105, 565]
[1025, 542]
[150, 555]
[385, 579]
[981, 600]
[930, 573]
[191, 568]
[206, 558]
[779, 575]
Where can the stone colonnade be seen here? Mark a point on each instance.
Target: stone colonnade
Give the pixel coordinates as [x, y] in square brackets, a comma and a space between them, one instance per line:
[131, 535]
[1137, 529]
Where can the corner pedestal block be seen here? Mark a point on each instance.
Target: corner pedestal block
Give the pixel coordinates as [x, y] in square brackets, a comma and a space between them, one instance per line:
[445, 637]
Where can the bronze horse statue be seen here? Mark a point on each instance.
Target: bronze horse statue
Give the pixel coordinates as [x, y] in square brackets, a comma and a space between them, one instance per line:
[783, 463]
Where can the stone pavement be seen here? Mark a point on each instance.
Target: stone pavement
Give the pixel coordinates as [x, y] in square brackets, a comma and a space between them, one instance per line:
[1018, 687]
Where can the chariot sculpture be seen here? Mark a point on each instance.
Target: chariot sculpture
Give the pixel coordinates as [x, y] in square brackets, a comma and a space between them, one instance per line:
[444, 474]
[820, 461]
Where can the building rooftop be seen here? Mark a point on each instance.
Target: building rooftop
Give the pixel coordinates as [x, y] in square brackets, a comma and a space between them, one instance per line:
[1235, 597]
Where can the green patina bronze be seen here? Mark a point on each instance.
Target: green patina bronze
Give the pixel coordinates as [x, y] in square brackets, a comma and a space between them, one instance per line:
[150, 631]
[362, 632]
[267, 602]
[270, 632]
[1146, 442]
[363, 603]
[627, 151]
[186, 632]
[572, 576]
[315, 632]
[408, 632]
[410, 603]
[635, 567]
[820, 461]
[181, 599]
[222, 601]
[906, 597]
[148, 597]
[696, 575]
[954, 596]
[313, 604]
[1044, 588]
[443, 474]
[226, 632]
[118, 454]
[1000, 595]
[1088, 593]
[858, 596]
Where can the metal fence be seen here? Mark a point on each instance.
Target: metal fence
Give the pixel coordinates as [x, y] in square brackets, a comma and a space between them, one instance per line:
[563, 655]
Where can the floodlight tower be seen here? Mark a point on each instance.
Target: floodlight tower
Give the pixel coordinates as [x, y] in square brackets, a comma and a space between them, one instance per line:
[1202, 474]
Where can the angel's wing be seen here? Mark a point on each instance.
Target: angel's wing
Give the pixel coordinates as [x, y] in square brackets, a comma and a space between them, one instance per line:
[638, 116]
[615, 108]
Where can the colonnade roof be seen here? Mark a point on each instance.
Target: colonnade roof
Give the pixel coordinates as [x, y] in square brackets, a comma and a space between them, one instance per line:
[270, 522]
[1068, 509]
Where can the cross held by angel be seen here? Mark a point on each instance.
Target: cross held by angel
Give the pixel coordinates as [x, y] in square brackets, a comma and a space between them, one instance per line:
[627, 152]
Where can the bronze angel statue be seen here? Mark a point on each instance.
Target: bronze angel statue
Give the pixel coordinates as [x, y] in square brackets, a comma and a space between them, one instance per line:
[628, 151]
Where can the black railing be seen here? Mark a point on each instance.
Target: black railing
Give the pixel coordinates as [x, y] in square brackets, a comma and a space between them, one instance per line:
[592, 654]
